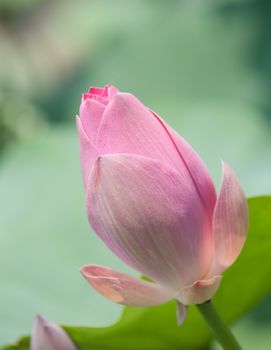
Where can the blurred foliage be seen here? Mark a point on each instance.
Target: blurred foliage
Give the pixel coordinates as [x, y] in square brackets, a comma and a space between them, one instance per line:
[203, 65]
[19, 119]
[259, 49]
[9, 10]
[50, 50]
[243, 285]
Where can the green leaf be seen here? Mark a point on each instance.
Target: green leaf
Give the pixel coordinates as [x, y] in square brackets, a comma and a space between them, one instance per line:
[243, 286]
[22, 344]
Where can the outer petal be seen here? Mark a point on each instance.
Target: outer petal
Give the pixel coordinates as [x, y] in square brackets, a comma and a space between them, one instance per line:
[124, 289]
[111, 91]
[150, 217]
[197, 170]
[88, 152]
[230, 222]
[91, 112]
[129, 127]
[49, 336]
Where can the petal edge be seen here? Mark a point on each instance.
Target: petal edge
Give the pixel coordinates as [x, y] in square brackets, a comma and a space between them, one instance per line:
[88, 152]
[123, 289]
[150, 217]
[230, 222]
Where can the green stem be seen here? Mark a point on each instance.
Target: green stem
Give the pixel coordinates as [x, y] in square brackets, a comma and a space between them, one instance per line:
[219, 328]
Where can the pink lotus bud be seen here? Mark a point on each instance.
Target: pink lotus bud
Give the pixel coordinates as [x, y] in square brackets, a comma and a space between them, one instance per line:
[49, 336]
[151, 199]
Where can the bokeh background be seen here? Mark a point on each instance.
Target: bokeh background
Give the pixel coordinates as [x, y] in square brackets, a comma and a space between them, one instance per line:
[203, 65]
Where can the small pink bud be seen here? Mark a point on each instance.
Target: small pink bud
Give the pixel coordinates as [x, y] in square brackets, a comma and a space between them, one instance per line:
[47, 335]
[151, 199]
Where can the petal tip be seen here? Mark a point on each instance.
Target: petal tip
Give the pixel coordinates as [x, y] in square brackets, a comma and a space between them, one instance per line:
[39, 319]
[181, 313]
[49, 335]
[87, 272]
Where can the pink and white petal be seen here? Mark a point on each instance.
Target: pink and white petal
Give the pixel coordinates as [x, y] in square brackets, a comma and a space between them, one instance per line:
[91, 112]
[230, 222]
[128, 126]
[88, 152]
[151, 218]
[199, 292]
[197, 170]
[48, 335]
[124, 289]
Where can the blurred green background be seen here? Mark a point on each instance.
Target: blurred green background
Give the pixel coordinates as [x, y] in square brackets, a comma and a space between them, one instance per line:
[203, 65]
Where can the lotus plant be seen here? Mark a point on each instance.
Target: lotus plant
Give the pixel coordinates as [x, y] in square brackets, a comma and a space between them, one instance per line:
[150, 198]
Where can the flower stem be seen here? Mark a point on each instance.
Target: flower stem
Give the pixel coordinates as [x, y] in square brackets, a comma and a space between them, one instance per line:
[219, 328]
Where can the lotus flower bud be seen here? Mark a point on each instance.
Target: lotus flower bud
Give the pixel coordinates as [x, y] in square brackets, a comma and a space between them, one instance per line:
[151, 199]
[47, 335]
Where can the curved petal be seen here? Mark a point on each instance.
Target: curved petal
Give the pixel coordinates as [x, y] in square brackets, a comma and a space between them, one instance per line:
[230, 222]
[47, 335]
[123, 289]
[129, 127]
[197, 170]
[111, 91]
[150, 217]
[88, 152]
[91, 112]
[199, 292]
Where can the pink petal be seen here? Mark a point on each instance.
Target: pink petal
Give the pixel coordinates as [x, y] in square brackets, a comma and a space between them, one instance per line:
[111, 91]
[150, 217]
[124, 289]
[197, 170]
[230, 222]
[199, 292]
[49, 336]
[92, 108]
[129, 127]
[88, 152]
[91, 112]
[97, 91]
[102, 100]
[107, 91]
